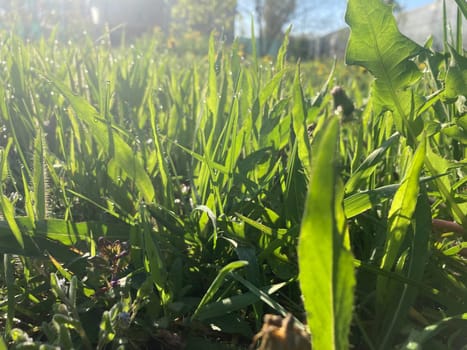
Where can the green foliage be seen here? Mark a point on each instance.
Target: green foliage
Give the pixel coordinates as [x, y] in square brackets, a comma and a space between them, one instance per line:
[326, 275]
[156, 200]
[204, 16]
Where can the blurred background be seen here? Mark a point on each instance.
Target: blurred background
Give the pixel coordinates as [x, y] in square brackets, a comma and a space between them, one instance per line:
[318, 26]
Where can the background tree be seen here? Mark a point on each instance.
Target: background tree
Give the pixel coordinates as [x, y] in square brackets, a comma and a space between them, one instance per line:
[272, 15]
[204, 16]
[136, 16]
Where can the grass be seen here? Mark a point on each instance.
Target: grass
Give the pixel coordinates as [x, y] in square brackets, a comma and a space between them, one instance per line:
[156, 201]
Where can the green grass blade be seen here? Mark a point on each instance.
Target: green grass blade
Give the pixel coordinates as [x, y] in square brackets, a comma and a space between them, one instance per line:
[326, 269]
[370, 163]
[418, 339]
[28, 201]
[39, 180]
[403, 208]
[392, 303]
[7, 208]
[404, 296]
[217, 283]
[10, 282]
[299, 114]
[153, 260]
[52, 233]
[364, 200]
[126, 159]
[265, 298]
[2, 342]
[236, 302]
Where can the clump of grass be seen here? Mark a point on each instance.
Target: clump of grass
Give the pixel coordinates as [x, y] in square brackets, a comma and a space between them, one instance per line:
[150, 200]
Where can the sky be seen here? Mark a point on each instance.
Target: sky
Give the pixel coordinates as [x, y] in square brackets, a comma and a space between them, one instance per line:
[315, 16]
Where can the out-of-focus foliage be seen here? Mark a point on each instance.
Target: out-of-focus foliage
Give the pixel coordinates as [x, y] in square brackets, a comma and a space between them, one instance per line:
[204, 16]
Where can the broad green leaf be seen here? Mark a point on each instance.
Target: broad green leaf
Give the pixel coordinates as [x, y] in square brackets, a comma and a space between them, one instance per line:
[456, 77]
[326, 266]
[126, 159]
[56, 235]
[376, 44]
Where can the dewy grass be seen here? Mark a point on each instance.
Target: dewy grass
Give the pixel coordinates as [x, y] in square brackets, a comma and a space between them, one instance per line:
[162, 199]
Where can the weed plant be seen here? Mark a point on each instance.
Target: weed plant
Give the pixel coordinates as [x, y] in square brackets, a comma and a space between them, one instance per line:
[152, 201]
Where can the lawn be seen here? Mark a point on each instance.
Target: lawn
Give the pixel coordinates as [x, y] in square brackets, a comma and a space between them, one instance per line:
[165, 201]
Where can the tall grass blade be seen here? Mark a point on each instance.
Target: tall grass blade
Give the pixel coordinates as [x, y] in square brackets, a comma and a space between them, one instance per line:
[403, 208]
[360, 202]
[39, 178]
[10, 282]
[419, 252]
[326, 265]
[126, 159]
[392, 303]
[7, 208]
[299, 115]
[217, 283]
[236, 302]
[153, 260]
[370, 164]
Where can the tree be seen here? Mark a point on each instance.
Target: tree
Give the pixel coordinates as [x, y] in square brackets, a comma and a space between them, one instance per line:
[272, 15]
[204, 16]
[136, 16]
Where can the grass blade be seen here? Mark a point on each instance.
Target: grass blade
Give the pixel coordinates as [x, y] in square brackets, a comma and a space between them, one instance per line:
[6, 206]
[123, 154]
[216, 284]
[326, 269]
[403, 208]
